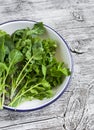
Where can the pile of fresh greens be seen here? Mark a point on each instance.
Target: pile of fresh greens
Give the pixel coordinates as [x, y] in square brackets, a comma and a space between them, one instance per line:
[28, 67]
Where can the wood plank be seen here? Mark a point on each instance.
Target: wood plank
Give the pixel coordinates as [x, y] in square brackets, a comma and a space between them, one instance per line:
[41, 125]
[74, 20]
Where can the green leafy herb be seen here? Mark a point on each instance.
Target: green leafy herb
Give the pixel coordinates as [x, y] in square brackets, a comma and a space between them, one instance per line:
[2, 49]
[28, 67]
[15, 56]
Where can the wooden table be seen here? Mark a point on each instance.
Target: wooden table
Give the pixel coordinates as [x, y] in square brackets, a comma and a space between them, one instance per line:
[74, 20]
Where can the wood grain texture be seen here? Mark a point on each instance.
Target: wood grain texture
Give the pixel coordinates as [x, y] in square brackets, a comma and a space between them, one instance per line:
[74, 20]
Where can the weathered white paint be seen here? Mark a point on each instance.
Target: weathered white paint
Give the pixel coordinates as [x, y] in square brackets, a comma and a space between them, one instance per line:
[74, 20]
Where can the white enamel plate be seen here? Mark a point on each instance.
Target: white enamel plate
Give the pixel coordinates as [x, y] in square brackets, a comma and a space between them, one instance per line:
[62, 54]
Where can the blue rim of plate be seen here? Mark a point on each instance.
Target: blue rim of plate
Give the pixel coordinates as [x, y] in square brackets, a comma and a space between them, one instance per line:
[50, 102]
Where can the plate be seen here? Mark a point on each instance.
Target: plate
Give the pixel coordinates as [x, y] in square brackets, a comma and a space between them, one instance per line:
[62, 54]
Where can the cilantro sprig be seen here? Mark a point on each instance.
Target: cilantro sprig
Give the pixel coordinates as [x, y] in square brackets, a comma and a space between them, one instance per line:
[28, 67]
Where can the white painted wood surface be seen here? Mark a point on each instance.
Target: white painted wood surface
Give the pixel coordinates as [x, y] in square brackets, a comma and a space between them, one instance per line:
[74, 20]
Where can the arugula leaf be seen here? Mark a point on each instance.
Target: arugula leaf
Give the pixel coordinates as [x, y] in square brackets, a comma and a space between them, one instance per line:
[8, 42]
[65, 71]
[38, 29]
[37, 54]
[3, 68]
[2, 33]
[15, 56]
[2, 49]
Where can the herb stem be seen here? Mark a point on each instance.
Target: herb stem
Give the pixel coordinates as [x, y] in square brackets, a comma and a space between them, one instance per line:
[8, 71]
[23, 70]
[19, 79]
[19, 96]
[12, 94]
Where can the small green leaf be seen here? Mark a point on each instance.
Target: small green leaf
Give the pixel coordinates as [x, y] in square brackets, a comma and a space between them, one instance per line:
[8, 42]
[49, 93]
[2, 48]
[44, 69]
[3, 68]
[66, 71]
[2, 33]
[28, 54]
[6, 50]
[34, 91]
[38, 29]
[15, 56]
[45, 84]
[37, 54]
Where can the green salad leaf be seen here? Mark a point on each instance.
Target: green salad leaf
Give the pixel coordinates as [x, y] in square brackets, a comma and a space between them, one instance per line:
[15, 56]
[2, 49]
[28, 66]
